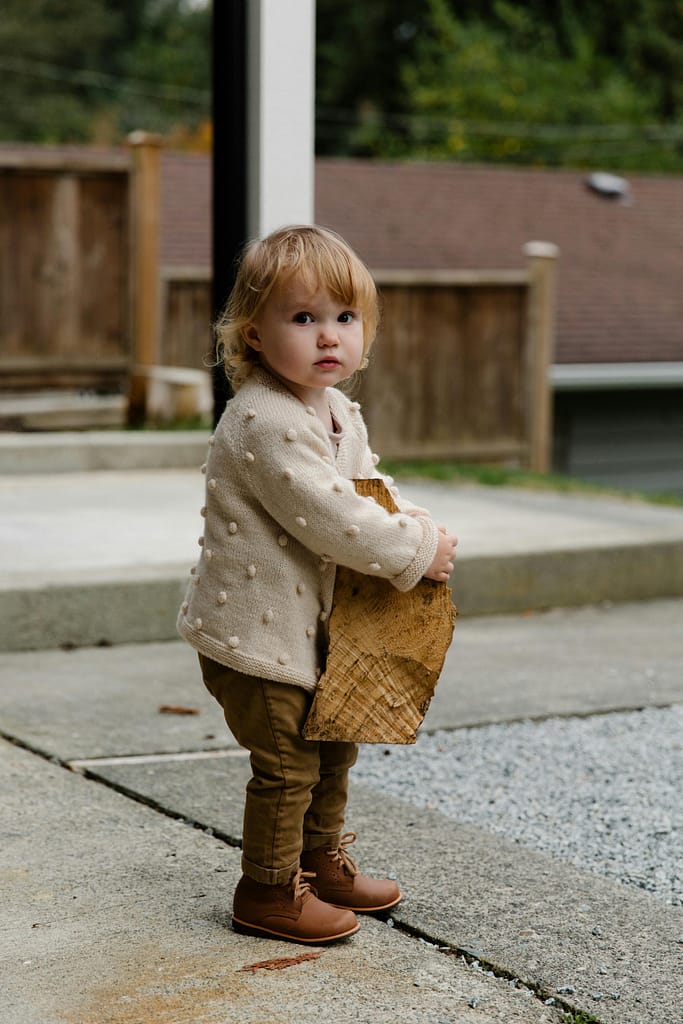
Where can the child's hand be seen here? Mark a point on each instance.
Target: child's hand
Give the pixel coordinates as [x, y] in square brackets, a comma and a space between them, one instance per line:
[442, 566]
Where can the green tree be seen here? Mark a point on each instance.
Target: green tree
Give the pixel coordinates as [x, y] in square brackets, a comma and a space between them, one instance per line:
[73, 70]
[564, 82]
[510, 92]
[361, 49]
[50, 55]
[166, 67]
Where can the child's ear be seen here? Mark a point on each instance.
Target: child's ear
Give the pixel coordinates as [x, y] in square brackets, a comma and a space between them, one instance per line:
[251, 336]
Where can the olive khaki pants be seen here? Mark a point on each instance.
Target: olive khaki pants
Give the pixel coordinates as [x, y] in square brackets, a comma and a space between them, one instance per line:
[296, 797]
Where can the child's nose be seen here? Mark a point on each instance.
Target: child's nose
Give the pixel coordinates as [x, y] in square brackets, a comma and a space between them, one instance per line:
[328, 334]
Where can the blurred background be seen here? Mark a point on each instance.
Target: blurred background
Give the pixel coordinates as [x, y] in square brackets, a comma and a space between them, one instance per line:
[548, 83]
[448, 136]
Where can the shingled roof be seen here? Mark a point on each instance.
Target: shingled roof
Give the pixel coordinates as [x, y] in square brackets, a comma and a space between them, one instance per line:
[185, 220]
[620, 274]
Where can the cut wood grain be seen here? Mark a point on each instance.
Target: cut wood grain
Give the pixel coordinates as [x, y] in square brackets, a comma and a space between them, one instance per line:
[385, 655]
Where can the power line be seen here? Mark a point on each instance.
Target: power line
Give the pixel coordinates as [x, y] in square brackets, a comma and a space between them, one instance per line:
[429, 127]
[115, 83]
[441, 124]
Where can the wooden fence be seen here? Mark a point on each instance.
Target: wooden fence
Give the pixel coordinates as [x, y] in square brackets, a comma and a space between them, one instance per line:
[185, 336]
[64, 245]
[460, 368]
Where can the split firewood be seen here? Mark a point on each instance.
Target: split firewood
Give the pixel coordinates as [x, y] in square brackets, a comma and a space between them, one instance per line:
[386, 652]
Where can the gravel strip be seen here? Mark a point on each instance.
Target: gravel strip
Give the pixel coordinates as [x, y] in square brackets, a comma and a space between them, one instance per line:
[604, 793]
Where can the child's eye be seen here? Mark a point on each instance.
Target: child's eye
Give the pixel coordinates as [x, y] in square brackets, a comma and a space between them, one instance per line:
[346, 317]
[303, 318]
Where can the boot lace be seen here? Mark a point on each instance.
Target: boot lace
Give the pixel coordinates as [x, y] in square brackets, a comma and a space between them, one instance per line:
[301, 884]
[341, 856]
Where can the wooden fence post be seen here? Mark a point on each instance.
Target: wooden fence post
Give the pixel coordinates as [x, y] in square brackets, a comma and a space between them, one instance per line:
[145, 209]
[542, 257]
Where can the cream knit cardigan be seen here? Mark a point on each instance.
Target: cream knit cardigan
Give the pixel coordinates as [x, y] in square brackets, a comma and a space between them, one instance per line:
[280, 513]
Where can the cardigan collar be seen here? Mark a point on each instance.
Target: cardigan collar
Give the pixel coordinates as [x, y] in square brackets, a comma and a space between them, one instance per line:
[339, 406]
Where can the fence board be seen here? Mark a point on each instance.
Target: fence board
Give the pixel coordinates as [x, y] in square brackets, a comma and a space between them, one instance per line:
[63, 277]
[446, 379]
[104, 259]
[186, 336]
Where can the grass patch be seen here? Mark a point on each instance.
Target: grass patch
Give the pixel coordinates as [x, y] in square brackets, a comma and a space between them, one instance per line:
[500, 476]
[580, 1018]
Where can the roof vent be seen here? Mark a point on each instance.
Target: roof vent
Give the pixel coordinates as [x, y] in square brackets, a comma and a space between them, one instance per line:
[609, 186]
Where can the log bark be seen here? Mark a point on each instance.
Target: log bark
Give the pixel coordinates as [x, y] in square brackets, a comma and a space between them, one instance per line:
[386, 652]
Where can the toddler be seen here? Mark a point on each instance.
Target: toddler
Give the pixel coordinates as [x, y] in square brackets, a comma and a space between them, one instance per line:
[281, 511]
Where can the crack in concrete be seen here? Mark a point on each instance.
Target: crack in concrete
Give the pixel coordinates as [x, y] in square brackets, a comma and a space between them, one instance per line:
[476, 959]
[131, 794]
[85, 768]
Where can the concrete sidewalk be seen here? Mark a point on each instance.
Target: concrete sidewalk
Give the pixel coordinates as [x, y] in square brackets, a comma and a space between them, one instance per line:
[119, 915]
[102, 555]
[120, 825]
[119, 851]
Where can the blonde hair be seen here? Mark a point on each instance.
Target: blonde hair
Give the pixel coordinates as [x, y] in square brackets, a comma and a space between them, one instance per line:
[321, 259]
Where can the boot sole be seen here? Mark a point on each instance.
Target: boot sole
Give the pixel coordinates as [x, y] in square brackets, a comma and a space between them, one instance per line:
[379, 911]
[243, 928]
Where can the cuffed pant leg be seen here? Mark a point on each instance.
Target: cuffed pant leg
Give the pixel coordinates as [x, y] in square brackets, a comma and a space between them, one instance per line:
[267, 718]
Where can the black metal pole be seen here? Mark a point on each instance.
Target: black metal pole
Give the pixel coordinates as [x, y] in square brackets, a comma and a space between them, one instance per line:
[229, 161]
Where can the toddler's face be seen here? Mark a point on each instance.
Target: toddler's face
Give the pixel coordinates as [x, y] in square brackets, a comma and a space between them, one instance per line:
[307, 338]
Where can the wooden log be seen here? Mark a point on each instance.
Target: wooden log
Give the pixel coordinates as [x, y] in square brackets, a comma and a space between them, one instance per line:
[385, 655]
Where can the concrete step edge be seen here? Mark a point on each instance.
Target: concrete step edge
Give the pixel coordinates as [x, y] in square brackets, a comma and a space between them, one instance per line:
[82, 452]
[140, 605]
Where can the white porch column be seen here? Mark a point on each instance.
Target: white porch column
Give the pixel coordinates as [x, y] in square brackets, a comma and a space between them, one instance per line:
[280, 113]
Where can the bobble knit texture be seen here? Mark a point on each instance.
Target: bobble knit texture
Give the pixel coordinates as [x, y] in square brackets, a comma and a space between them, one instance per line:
[280, 513]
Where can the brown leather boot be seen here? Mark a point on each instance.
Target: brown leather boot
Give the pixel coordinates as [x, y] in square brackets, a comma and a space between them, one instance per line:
[291, 912]
[339, 882]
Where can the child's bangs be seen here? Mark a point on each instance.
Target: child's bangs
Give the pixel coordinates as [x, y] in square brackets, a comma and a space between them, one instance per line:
[349, 283]
[332, 267]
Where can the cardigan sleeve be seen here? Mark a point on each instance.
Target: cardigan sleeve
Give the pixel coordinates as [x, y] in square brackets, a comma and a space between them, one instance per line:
[290, 471]
[371, 472]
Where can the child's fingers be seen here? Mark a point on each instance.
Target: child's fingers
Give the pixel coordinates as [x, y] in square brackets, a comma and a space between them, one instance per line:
[442, 566]
[453, 541]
